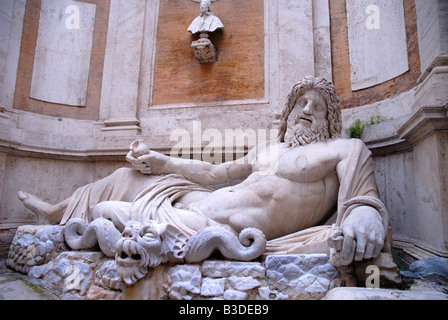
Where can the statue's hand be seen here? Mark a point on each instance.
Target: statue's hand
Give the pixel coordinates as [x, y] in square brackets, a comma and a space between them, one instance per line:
[151, 163]
[138, 163]
[363, 235]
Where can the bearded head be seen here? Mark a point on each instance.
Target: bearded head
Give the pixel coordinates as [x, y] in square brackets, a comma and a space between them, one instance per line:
[137, 250]
[311, 114]
[146, 245]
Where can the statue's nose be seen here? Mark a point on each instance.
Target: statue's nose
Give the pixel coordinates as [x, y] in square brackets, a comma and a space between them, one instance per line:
[308, 108]
[128, 232]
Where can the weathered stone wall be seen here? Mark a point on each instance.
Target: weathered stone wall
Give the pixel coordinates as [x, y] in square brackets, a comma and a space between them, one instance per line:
[143, 82]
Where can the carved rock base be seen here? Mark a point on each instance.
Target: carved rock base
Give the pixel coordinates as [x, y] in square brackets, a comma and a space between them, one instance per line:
[76, 275]
[92, 275]
[288, 277]
[34, 245]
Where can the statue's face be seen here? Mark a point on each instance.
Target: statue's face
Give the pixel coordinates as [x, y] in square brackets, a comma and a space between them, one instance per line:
[204, 7]
[310, 108]
[138, 249]
[308, 119]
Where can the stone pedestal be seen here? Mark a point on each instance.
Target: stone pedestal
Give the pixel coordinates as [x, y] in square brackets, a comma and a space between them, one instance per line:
[35, 245]
[41, 252]
[282, 277]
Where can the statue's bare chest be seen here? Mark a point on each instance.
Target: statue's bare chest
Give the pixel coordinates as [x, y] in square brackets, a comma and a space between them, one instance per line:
[306, 164]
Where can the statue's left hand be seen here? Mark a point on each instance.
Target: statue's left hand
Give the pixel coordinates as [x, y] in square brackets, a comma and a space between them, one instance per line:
[138, 163]
[363, 235]
[151, 163]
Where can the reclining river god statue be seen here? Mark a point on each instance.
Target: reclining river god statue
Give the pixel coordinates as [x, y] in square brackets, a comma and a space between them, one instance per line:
[317, 196]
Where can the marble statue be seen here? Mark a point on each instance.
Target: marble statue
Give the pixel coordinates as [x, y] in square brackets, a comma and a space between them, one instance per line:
[321, 197]
[207, 22]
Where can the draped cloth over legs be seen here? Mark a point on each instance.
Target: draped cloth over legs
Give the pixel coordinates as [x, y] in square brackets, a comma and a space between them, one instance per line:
[156, 202]
[123, 185]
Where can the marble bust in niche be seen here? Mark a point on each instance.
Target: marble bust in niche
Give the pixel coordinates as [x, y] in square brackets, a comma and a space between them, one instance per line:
[205, 23]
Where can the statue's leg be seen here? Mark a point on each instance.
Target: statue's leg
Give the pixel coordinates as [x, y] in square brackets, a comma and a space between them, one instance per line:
[115, 211]
[122, 185]
[46, 213]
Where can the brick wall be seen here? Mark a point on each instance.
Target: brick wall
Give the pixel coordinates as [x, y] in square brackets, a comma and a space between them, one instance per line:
[22, 98]
[239, 71]
[341, 60]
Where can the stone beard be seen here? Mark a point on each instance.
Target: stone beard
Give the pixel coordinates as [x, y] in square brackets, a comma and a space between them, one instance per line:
[300, 135]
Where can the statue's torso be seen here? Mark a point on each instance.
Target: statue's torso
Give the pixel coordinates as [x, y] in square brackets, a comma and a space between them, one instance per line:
[296, 192]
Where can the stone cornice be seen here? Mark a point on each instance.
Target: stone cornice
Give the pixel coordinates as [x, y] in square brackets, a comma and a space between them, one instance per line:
[423, 123]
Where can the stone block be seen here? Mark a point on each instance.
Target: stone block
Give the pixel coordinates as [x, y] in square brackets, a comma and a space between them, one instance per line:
[216, 269]
[35, 245]
[213, 287]
[303, 272]
[265, 293]
[231, 294]
[243, 283]
[79, 275]
[106, 276]
[185, 280]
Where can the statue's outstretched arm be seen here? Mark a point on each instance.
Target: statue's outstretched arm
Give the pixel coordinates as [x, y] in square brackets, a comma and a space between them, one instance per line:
[201, 172]
[206, 173]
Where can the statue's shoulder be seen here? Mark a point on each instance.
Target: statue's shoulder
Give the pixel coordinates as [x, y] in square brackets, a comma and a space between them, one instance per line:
[346, 142]
[346, 147]
[194, 26]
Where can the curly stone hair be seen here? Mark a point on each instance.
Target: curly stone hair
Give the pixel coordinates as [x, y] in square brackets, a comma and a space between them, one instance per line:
[327, 90]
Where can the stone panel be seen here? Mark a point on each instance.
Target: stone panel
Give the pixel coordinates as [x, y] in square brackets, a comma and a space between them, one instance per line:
[22, 100]
[341, 61]
[377, 41]
[11, 23]
[432, 17]
[41, 178]
[295, 42]
[63, 52]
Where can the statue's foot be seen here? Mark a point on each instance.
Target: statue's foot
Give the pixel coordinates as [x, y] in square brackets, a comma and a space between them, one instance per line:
[45, 212]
